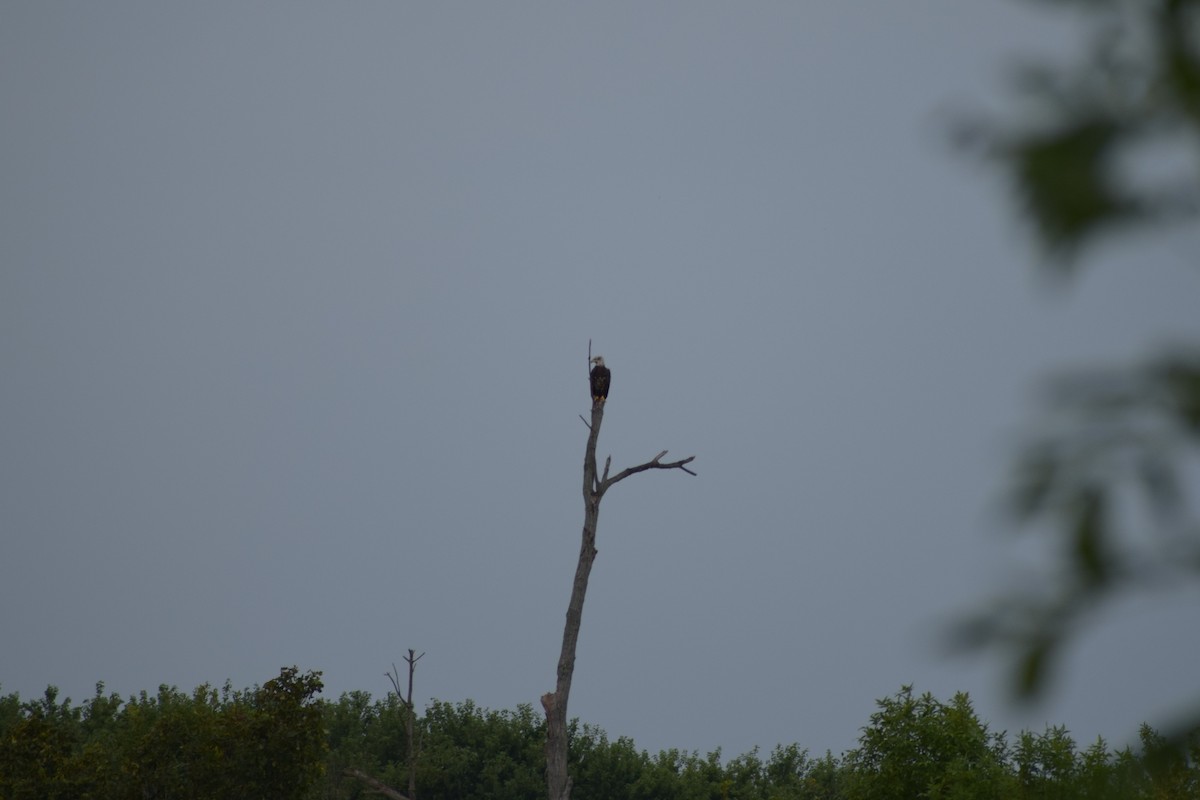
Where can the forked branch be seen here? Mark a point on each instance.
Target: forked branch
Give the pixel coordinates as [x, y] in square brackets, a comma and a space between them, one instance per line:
[595, 484]
[654, 463]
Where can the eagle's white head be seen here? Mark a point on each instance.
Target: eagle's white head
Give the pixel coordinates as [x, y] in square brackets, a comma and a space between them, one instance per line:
[598, 361]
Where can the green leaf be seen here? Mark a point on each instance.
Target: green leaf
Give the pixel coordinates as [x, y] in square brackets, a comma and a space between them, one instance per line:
[1032, 667]
[1062, 178]
[1035, 480]
[1090, 532]
[1180, 377]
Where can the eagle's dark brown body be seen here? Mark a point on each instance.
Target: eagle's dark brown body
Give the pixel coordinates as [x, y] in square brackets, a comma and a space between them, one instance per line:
[601, 380]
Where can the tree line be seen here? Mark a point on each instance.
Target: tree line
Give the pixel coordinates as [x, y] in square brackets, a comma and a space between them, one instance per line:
[280, 740]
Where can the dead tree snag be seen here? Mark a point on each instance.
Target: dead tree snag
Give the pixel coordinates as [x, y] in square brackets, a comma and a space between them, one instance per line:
[558, 782]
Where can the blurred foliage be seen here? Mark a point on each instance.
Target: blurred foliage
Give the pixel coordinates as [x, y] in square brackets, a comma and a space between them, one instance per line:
[1104, 145]
[1093, 138]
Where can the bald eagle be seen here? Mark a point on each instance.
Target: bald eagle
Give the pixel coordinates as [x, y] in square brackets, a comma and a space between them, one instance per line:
[601, 380]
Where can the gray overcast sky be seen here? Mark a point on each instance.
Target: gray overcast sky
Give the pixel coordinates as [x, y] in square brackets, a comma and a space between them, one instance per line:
[294, 305]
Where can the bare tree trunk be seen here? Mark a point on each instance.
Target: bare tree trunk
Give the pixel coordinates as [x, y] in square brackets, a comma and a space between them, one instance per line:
[409, 724]
[558, 781]
[409, 718]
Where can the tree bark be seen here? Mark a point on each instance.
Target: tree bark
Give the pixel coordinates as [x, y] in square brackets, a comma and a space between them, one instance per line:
[410, 717]
[558, 780]
[409, 723]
